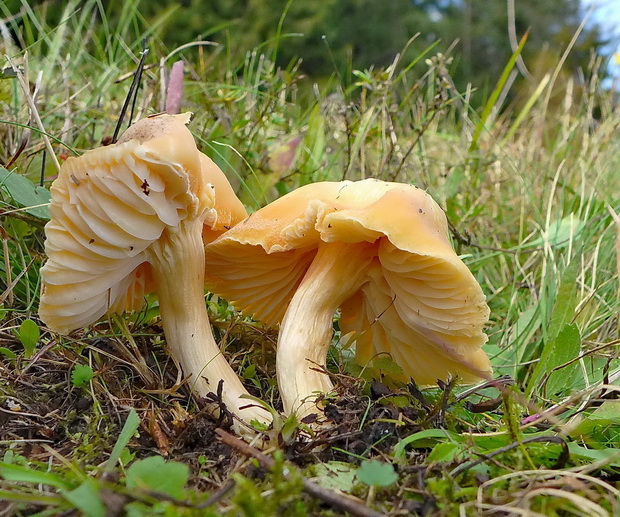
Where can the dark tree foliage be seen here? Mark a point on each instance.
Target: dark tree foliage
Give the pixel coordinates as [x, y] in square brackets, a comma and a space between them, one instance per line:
[332, 35]
[336, 35]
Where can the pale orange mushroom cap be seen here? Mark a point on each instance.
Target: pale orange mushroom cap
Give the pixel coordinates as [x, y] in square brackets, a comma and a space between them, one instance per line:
[417, 300]
[110, 204]
[229, 209]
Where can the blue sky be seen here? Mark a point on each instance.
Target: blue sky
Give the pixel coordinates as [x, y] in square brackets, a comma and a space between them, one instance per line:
[607, 15]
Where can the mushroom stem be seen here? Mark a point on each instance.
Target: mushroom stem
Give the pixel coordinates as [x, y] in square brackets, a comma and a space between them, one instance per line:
[178, 264]
[336, 272]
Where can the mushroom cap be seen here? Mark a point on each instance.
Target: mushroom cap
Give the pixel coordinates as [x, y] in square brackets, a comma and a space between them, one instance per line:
[108, 206]
[228, 208]
[420, 302]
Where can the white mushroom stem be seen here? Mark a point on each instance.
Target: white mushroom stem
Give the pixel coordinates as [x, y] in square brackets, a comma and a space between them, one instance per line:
[178, 264]
[336, 272]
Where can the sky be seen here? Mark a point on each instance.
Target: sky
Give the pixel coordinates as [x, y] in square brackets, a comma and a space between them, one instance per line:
[607, 14]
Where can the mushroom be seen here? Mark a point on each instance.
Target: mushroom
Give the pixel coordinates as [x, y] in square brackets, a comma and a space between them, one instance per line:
[127, 220]
[378, 251]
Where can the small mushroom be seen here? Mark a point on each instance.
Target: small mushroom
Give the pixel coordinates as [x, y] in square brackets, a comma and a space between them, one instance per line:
[128, 219]
[378, 251]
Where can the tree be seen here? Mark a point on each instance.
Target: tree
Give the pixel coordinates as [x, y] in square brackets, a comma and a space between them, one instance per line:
[333, 35]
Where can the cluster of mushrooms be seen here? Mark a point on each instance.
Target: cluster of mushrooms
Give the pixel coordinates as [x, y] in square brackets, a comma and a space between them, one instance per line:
[151, 213]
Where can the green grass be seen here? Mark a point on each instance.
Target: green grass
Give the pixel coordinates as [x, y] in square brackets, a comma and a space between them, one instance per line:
[526, 188]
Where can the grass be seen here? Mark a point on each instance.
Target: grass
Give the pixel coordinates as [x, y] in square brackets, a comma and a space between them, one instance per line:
[526, 188]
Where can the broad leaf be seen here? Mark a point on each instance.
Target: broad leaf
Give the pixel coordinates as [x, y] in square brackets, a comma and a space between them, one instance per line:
[154, 474]
[376, 473]
[81, 375]
[567, 346]
[129, 428]
[86, 499]
[26, 194]
[28, 335]
[335, 475]
[609, 455]
[29, 475]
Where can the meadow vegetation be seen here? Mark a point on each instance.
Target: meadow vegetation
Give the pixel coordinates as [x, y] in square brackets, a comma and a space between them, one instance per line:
[530, 191]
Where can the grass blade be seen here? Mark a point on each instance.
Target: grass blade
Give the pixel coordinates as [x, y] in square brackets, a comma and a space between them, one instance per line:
[131, 426]
[490, 104]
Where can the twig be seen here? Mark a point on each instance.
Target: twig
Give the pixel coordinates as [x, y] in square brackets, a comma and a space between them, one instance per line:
[43, 160]
[9, 289]
[330, 497]
[485, 457]
[224, 413]
[219, 494]
[133, 92]
[500, 383]
[566, 404]
[145, 52]
[51, 344]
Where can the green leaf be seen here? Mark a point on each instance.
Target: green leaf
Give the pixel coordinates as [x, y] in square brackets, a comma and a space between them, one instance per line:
[559, 233]
[7, 353]
[126, 457]
[602, 427]
[445, 452]
[376, 473]
[566, 348]
[491, 441]
[490, 104]
[157, 475]
[26, 194]
[598, 432]
[86, 499]
[562, 315]
[130, 427]
[335, 475]
[81, 375]
[610, 455]
[566, 299]
[28, 335]
[386, 364]
[427, 438]
[29, 475]
[289, 427]
[249, 372]
[399, 401]
[565, 345]
[608, 410]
